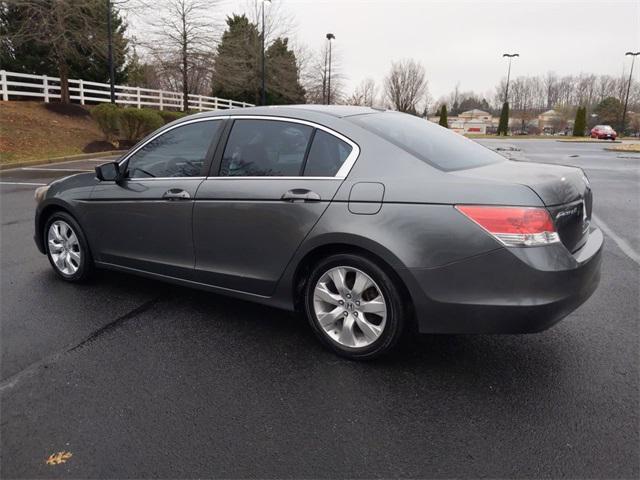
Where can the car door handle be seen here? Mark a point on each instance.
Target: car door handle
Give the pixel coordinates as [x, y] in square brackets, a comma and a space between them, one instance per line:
[176, 194]
[300, 195]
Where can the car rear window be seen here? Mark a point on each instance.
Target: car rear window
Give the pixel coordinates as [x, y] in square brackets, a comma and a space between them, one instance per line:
[431, 143]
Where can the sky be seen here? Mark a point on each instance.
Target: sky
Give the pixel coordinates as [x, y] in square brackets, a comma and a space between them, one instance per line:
[463, 41]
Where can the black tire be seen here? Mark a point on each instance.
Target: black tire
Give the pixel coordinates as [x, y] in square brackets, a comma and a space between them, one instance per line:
[395, 310]
[85, 267]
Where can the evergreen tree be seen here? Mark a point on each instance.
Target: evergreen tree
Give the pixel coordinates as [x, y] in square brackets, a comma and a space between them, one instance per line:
[503, 126]
[283, 78]
[444, 122]
[580, 124]
[92, 63]
[238, 66]
[237, 62]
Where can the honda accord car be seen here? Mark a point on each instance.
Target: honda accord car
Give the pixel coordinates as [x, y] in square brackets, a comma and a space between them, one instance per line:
[370, 223]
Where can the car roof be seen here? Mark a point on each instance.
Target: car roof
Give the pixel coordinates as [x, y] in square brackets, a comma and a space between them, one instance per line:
[337, 111]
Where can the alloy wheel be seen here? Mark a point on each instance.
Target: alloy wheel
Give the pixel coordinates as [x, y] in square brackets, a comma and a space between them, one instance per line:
[64, 247]
[350, 307]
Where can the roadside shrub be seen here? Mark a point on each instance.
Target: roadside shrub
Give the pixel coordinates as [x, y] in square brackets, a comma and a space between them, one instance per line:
[107, 116]
[169, 116]
[136, 123]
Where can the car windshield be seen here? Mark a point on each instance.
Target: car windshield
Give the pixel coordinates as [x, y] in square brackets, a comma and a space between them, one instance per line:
[442, 148]
[604, 127]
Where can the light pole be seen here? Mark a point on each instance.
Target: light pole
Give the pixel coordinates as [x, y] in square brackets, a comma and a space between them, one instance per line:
[112, 80]
[264, 91]
[324, 78]
[510, 56]
[626, 100]
[330, 36]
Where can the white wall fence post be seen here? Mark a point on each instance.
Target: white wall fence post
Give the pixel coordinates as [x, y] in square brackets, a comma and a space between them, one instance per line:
[45, 88]
[95, 92]
[3, 85]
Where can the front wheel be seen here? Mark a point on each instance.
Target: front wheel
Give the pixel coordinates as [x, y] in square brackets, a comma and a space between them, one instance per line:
[353, 306]
[67, 248]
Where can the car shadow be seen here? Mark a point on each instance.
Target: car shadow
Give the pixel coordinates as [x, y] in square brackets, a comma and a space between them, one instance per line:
[277, 333]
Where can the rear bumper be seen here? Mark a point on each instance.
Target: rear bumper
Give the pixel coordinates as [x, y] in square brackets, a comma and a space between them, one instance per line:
[508, 290]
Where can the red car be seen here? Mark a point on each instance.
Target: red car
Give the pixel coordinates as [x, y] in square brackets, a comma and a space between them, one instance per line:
[603, 132]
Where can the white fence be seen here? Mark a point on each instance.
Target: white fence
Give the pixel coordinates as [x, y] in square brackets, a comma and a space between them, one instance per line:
[41, 86]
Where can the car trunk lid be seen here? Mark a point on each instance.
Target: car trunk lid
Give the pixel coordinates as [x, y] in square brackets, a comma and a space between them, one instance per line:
[564, 190]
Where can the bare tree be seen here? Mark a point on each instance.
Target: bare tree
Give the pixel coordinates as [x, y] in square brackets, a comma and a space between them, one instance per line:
[315, 77]
[64, 27]
[551, 89]
[365, 94]
[454, 100]
[282, 63]
[406, 85]
[182, 43]
[278, 23]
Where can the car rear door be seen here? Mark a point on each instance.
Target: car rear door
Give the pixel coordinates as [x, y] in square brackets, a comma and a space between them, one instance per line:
[272, 181]
[144, 221]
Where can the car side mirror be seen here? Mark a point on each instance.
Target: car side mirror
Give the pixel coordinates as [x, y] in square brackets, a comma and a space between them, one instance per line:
[108, 172]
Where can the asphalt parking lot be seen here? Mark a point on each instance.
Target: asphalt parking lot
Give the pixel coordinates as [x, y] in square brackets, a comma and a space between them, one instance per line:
[140, 379]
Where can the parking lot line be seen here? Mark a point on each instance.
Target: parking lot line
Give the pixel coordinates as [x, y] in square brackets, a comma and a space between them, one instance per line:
[45, 169]
[97, 160]
[621, 242]
[23, 183]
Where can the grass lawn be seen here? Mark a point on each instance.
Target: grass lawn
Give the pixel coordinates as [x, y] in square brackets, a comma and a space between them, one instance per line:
[29, 131]
[626, 147]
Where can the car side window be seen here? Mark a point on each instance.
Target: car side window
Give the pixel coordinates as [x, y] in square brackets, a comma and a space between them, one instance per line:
[180, 152]
[258, 148]
[326, 156]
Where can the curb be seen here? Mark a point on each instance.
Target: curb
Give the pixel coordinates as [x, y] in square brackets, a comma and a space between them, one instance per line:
[590, 141]
[69, 158]
[613, 149]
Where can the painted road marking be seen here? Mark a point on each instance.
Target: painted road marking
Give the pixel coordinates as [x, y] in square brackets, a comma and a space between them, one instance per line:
[45, 169]
[100, 160]
[23, 183]
[621, 242]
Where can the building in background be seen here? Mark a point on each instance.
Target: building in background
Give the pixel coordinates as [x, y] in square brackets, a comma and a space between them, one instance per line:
[472, 121]
[551, 122]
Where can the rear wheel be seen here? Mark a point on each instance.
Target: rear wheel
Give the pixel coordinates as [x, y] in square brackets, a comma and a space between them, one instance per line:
[353, 306]
[67, 248]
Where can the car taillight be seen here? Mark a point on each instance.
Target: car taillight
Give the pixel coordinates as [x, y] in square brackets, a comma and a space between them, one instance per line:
[514, 226]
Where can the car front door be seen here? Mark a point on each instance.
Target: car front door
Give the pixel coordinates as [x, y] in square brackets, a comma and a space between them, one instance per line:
[276, 177]
[144, 220]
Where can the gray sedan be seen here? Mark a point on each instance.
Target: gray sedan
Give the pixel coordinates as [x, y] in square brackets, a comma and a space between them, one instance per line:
[372, 223]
